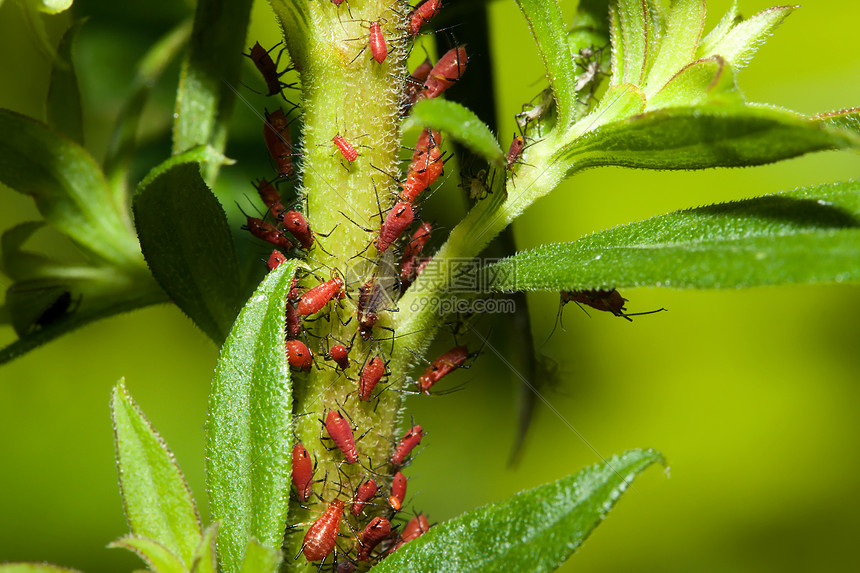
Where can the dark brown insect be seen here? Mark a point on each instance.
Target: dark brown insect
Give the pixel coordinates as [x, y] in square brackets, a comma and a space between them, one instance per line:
[276, 134]
[268, 68]
[604, 300]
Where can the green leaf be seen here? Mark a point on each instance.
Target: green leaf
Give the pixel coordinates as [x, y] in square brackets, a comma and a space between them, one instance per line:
[249, 436]
[741, 42]
[205, 560]
[705, 136]
[209, 75]
[187, 243]
[715, 36]
[16, 262]
[461, 124]
[68, 187]
[123, 139]
[678, 47]
[34, 568]
[808, 235]
[259, 559]
[64, 97]
[634, 40]
[157, 557]
[700, 82]
[535, 530]
[158, 502]
[844, 118]
[546, 24]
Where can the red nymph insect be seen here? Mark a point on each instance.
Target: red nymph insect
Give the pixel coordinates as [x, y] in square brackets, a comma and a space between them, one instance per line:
[345, 148]
[321, 536]
[370, 376]
[341, 433]
[378, 47]
[268, 232]
[426, 166]
[340, 354]
[315, 299]
[447, 71]
[298, 355]
[378, 529]
[517, 146]
[397, 221]
[298, 226]
[365, 493]
[442, 366]
[276, 134]
[409, 263]
[275, 259]
[303, 472]
[421, 15]
[411, 439]
[398, 491]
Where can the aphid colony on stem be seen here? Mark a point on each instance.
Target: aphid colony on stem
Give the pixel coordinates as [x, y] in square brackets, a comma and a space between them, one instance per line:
[348, 495]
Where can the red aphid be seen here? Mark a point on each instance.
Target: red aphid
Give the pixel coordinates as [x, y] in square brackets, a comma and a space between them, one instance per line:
[275, 259]
[276, 134]
[426, 166]
[315, 299]
[441, 367]
[345, 148]
[303, 472]
[408, 443]
[409, 262]
[340, 354]
[298, 355]
[365, 493]
[337, 2]
[447, 71]
[378, 529]
[378, 47]
[398, 491]
[397, 221]
[268, 68]
[341, 433]
[517, 146]
[370, 376]
[298, 226]
[421, 15]
[416, 527]
[321, 536]
[269, 195]
[294, 321]
[269, 233]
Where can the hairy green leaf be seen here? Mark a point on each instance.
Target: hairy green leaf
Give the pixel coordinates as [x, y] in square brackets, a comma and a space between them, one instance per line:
[461, 124]
[18, 263]
[741, 42]
[64, 97]
[295, 20]
[683, 31]
[844, 118]
[634, 40]
[700, 82]
[157, 556]
[205, 559]
[157, 499]
[546, 24]
[535, 530]
[124, 136]
[249, 425]
[34, 568]
[259, 559]
[187, 243]
[209, 76]
[808, 235]
[715, 36]
[710, 135]
[68, 187]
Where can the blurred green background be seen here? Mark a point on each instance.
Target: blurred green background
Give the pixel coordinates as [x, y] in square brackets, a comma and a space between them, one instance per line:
[752, 395]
